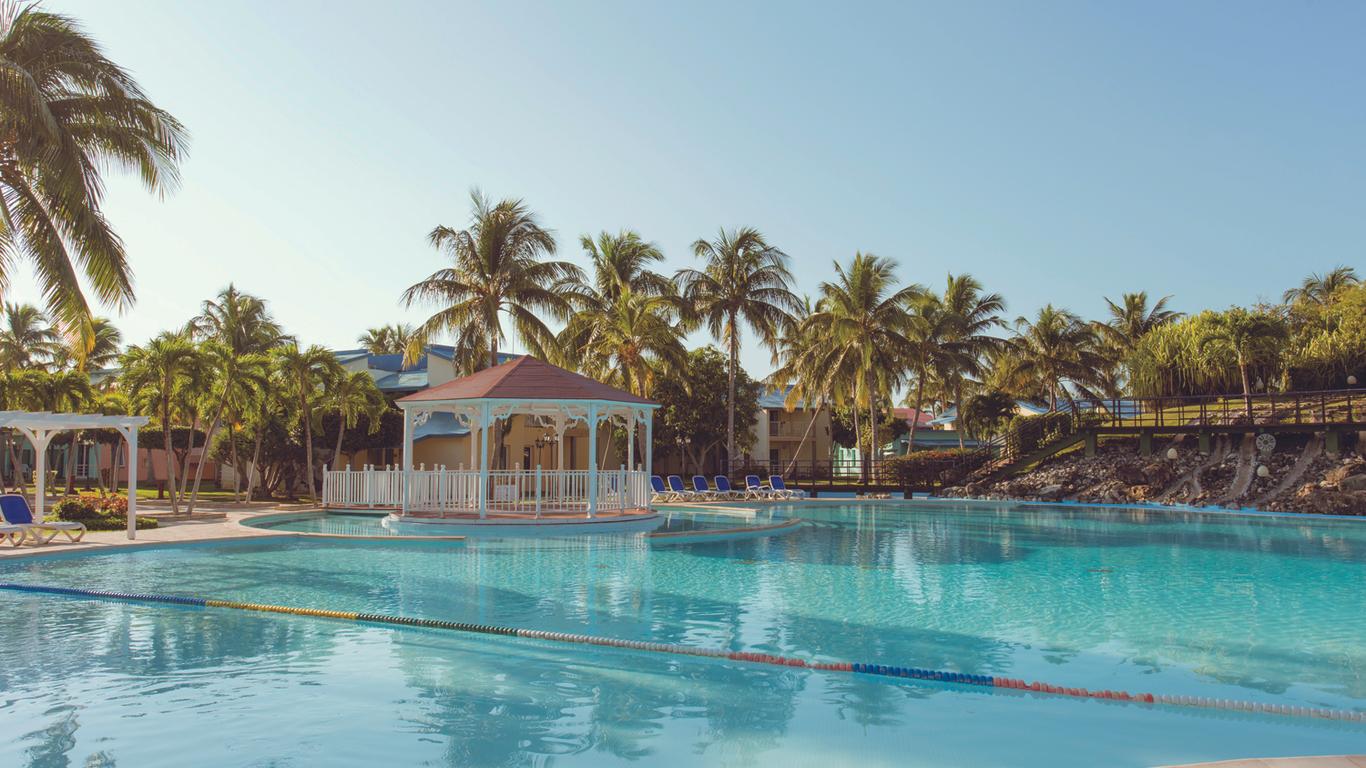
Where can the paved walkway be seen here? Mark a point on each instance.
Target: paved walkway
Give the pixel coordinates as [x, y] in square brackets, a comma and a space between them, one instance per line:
[223, 521]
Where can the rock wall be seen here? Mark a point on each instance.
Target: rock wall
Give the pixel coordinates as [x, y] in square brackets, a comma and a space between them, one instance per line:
[1117, 474]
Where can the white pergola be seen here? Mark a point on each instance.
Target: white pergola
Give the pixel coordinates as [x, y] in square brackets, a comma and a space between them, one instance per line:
[41, 426]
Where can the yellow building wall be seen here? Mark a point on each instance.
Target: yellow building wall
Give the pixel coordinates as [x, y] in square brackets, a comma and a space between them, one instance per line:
[521, 449]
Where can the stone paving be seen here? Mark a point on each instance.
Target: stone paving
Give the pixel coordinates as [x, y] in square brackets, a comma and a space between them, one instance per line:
[219, 521]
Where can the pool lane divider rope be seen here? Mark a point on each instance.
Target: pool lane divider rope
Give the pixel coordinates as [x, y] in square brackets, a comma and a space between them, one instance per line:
[880, 670]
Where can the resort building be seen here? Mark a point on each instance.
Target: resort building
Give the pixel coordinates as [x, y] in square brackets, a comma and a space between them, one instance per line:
[780, 435]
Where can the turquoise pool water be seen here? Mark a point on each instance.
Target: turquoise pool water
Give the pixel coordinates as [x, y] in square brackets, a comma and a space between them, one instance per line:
[1259, 608]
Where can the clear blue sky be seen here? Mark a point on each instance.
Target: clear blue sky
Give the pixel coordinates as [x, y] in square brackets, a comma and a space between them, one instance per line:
[1059, 151]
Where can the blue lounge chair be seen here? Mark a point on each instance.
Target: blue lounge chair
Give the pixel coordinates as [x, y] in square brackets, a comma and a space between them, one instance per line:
[702, 488]
[15, 534]
[723, 488]
[680, 490]
[14, 509]
[754, 489]
[661, 493]
[779, 487]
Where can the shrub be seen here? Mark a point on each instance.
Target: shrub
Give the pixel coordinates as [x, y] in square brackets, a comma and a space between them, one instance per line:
[99, 513]
[922, 468]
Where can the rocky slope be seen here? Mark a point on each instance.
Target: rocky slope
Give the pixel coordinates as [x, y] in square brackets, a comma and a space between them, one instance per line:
[1297, 476]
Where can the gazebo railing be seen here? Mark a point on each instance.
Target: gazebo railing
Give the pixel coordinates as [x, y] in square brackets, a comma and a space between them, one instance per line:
[444, 491]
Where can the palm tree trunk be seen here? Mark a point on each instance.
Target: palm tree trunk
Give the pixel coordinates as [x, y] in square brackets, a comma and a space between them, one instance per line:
[872, 431]
[915, 414]
[1247, 387]
[236, 467]
[253, 472]
[308, 449]
[208, 443]
[170, 457]
[341, 430]
[795, 454]
[18, 468]
[858, 434]
[959, 422]
[734, 343]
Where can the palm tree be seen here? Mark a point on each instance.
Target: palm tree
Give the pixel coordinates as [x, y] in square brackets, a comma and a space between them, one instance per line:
[744, 280]
[1131, 319]
[803, 374]
[303, 372]
[66, 113]
[239, 321]
[973, 314]
[26, 338]
[156, 375]
[628, 342]
[1318, 289]
[387, 339]
[353, 394]
[496, 269]
[1251, 336]
[1054, 349]
[97, 346]
[239, 332]
[625, 328]
[621, 262]
[931, 352]
[863, 315]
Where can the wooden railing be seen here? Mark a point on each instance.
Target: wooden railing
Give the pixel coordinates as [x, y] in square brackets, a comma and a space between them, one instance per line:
[457, 492]
[1338, 407]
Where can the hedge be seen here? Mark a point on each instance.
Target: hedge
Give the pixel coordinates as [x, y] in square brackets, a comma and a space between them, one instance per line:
[921, 468]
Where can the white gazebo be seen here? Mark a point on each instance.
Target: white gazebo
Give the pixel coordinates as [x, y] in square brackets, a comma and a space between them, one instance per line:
[551, 400]
[40, 427]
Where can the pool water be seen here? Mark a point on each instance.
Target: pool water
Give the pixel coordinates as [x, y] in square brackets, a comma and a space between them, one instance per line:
[1238, 607]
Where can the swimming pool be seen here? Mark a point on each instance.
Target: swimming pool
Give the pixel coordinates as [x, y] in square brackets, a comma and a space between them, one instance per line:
[1237, 607]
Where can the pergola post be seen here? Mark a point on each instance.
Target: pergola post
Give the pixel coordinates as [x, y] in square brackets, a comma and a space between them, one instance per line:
[592, 460]
[407, 458]
[40, 439]
[130, 434]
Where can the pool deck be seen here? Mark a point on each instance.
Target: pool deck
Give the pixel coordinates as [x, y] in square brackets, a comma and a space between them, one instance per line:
[218, 522]
[1328, 761]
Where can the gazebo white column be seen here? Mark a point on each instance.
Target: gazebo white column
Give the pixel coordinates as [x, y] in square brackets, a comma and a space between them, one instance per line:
[407, 458]
[631, 441]
[484, 418]
[592, 460]
[649, 453]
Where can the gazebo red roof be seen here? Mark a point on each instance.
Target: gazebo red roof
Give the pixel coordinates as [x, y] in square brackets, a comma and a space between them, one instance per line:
[525, 378]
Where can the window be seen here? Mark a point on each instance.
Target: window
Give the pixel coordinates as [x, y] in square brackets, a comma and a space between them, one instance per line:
[526, 457]
[773, 457]
[573, 453]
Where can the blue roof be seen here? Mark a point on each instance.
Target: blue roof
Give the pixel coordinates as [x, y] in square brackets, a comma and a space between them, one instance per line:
[951, 414]
[774, 398]
[391, 375]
